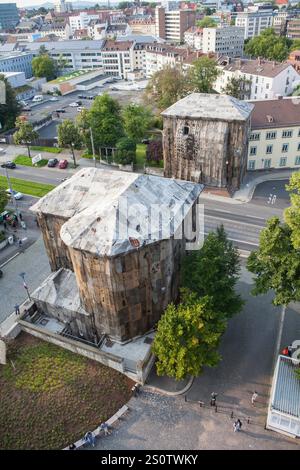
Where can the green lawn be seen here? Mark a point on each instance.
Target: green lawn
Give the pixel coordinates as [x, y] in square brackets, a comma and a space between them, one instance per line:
[26, 161]
[50, 397]
[141, 157]
[47, 149]
[27, 187]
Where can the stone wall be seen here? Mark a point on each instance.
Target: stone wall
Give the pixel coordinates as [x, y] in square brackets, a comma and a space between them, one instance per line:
[205, 151]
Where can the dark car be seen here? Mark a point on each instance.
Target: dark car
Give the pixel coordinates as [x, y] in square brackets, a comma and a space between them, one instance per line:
[26, 108]
[60, 110]
[145, 141]
[9, 164]
[63, 164]
[52, 162]
[83, 97]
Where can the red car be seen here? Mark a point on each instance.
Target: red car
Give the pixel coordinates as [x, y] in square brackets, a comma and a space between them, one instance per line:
[63, 164]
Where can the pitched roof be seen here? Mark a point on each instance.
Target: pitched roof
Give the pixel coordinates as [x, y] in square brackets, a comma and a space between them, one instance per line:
[97, 207]
[275, 113]
[210, 106]
[264, 68]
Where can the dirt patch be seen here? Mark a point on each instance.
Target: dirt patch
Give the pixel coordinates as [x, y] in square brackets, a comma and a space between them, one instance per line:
[54, 411]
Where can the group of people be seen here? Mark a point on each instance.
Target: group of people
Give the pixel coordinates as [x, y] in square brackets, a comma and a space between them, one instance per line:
[90, 438]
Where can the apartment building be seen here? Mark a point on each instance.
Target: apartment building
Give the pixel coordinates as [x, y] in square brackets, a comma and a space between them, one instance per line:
[142, 25]
[159, 56]
[274, 141]
[9, 16]
[118, 58]
[254, 20]
[293, 29]
[294, 60]
[78, 54]
[172, 24]
[193, 37]
[16, 62]
[81, 20]
[61, 30]
[268, 79]
[224, 40]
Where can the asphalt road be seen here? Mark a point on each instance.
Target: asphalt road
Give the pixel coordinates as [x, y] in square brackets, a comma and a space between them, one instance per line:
[272, 193]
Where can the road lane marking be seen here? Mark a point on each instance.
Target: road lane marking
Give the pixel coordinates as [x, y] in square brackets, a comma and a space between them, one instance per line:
[233, 220]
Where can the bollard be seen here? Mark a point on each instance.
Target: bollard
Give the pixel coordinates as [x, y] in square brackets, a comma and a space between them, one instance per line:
[231, 416]
[185, 399]
[248, 420]
[216, 409]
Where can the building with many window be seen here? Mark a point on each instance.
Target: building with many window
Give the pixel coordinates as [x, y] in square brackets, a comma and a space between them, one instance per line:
[293, 29]
[274, 141]
[224, 40]
[16, 62]
[172, 24]
[268, 79]
[254, 20]
[9, 16]
[193, 37]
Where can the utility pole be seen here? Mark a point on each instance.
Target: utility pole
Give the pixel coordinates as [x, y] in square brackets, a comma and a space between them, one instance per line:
[93, 147]
[12, 194]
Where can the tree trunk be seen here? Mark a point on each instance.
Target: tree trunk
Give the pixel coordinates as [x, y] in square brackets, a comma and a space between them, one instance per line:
[73, 154]
[279, 334]
[28, 149]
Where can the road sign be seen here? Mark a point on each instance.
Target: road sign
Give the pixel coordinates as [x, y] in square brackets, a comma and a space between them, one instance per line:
[37, 158]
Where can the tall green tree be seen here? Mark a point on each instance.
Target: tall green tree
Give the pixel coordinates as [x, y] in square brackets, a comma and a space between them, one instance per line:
[203, 75]
[25, 134]
[3, 200]
[137, 120]
[213, 271]
[238, 87]
[292, 213]
[187, 337]
[10, 108]
[69, 136]
[269, 46]
[104, 118]
[207, 22]
[165, 87]
[43, 66]
[126, 151]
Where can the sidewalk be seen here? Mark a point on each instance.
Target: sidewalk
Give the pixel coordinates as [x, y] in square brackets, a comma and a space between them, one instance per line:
[253, 178]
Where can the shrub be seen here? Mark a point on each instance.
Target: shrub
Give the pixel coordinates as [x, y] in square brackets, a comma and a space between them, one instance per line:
[126, 151]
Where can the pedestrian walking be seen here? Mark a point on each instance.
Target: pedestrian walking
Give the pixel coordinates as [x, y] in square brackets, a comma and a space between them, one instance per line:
[20, 242]
[290, 350]
[17, 309]
[21, 217]
[237, 425]
[213, 399]
[254, 397]
[104, 427]
[90, 438]
[4, 224]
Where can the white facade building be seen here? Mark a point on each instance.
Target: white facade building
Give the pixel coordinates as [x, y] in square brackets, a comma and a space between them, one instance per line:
[118, 58]
[81, 20]
[268, 79]
[224, 40]
[193, 37]
[16, 79]
[255, 20]
[274, 142]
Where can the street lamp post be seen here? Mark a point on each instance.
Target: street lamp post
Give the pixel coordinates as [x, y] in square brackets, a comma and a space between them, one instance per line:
[22, 275]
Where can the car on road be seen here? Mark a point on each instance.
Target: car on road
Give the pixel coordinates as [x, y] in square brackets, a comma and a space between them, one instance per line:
[91, 97]
[80, 108]
[3, 140]
[75, 104]
[60, 110]
[15, 194]
[54, 98]
[9, 164]
[83, 97]
[2, 151]
[37, 98]
[63, 164]
[26, 109]
[52, 162]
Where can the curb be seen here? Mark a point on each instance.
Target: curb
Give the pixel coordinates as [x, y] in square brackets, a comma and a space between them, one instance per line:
[250, 195]
[149, 388]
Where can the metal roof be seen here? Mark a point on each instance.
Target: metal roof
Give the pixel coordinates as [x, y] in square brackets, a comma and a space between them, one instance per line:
[210, 106]
[287, 387]
[67, 45]
[106, 210]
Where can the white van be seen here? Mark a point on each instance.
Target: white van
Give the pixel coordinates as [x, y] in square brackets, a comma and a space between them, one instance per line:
[37, 98]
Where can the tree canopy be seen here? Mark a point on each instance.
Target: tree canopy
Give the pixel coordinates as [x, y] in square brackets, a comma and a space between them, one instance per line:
[11, 108]
[25, 134]
[276, 264]
[238, 87]
[69, 136]
[137, 120]
[187, 337]
[43, 66]
[207, 22]
[3, 200]
[292, 213]
[203, 75]
[269, 46]
[165, 87]
[126, 151]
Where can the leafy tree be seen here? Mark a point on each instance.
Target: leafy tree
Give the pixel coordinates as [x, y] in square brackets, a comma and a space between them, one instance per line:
[207, 22]
[292, 213]
[43, 66]
[269, 46]
[3, 200]
[11, 109]
[25, 134]
[203, 74]
[137, 120]
[126, 151]
[213, 270]
[123, 5]
[154, 152]
[69, 136]
[61, 63]
[187, 337]
[105, 121]
[238, 87]
[165, 87]
[276, 264]
[43, 50]
[295, 45]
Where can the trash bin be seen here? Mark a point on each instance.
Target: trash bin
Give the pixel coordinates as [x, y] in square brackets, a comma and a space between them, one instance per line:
[10, 240]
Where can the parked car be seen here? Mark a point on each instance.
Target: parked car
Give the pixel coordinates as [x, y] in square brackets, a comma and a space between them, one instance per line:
[61, 110]
[91, 97]
[26, 109]
[9, 164]
[145, 141]
[1, 273]
[83, 97]
[80, 108]
[37, 98]
[52, 162]
[3, 140]
[15, 194]
[2, 150]
[75, 104]
[54, 98]
[63, 164]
